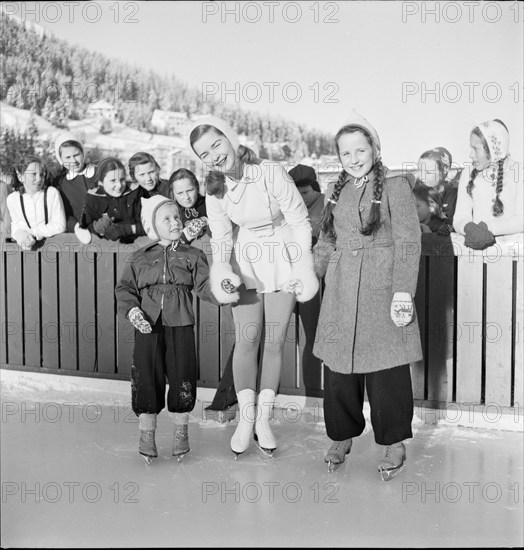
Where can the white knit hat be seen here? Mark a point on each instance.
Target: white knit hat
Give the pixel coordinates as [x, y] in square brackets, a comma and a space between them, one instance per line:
[356, 119]
[61, 139]
[148, 213]
[220, 125]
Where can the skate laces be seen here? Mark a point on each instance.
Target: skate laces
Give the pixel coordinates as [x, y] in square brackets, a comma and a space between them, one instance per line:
[149, 435]
[180, 433]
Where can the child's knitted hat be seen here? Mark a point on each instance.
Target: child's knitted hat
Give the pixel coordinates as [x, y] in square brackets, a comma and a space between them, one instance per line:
[61, 139]
[497, 138]
[304, 175]
[220, 125]
[356, 119]
[149, 210]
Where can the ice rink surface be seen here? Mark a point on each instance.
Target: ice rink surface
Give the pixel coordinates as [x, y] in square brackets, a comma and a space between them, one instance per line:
[72, 477]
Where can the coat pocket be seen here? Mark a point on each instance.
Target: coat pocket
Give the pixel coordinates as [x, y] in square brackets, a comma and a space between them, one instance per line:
[381, 264]
[333, 262]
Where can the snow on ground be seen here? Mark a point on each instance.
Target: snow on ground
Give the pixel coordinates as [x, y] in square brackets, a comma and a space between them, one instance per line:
[72, 476]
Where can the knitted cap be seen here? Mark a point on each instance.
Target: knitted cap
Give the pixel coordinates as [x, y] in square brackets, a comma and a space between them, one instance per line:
[219, 124]
[356, 119]
[61, 139]
[304, 175]
[497, 138]
[149, 210]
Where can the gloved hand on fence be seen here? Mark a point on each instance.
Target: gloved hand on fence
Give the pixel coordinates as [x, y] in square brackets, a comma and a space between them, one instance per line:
[195, 228]
[25, 240]
[102, 224]
[401, 309]
[137, 319]
[115, 230]
[83, 235]
[478, 236]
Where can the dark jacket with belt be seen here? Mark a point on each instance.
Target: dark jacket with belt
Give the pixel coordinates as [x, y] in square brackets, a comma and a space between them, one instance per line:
[159, 279]
[355, 332]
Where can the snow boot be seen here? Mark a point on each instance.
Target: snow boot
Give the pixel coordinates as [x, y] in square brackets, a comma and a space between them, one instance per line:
[247, 414]
[263, 435]
[180, 437]
[147, 445]
[336, 454]
[225, 396]
[393, 462]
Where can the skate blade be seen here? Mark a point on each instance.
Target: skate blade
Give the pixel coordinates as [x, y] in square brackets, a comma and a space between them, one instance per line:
[332, 466]
[180, 456]
[268, 452]
[237, 453]
[148, 459]
[389, 474]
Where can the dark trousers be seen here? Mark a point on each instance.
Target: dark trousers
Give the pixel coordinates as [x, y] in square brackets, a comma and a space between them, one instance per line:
[167, 351]
[390, 398]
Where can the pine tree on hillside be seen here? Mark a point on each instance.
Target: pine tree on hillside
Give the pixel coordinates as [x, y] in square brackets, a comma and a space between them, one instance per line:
[31, 62]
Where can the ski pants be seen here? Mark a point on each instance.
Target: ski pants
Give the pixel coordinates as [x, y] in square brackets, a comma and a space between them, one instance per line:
[390, 398]
[165, 352]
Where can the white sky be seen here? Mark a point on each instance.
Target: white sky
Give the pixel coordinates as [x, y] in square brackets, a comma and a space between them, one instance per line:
[366, 59]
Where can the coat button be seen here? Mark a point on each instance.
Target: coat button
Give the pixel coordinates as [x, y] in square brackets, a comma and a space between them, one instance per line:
[360, 208]
[355, 252]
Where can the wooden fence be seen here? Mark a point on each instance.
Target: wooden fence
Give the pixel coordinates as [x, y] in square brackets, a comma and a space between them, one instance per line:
[58, 315]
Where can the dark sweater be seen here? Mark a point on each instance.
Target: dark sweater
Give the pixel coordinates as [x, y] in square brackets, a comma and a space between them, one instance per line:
[163, 188]
[73, 193]
[124, 211]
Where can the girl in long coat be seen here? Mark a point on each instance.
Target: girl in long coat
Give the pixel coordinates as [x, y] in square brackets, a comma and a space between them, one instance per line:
[367, 334]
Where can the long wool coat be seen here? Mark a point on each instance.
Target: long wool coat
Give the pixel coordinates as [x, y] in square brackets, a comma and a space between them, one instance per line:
[355, 332]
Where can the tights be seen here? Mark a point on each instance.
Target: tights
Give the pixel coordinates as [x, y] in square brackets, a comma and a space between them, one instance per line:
[249, 314]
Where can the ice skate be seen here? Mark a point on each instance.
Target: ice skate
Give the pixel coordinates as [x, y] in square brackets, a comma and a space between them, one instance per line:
[147, 445]
[393, 462]
[180, 442]
[263, 435]
[336, 454]
[247, 413]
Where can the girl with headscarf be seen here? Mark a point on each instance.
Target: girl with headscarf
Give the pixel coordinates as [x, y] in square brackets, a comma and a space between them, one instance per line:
[261, 267]
[489, 201]
[368, 334]
[432, 170]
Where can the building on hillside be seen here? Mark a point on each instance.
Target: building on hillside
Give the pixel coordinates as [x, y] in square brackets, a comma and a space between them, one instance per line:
[101, 110]
[173, 122]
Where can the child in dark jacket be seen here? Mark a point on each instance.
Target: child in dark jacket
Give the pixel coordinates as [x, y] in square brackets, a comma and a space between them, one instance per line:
[112, 210]
[429, 212]
[155, 295]
[74, 182]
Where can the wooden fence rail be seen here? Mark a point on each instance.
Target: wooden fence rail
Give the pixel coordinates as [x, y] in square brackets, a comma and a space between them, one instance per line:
[58, 315]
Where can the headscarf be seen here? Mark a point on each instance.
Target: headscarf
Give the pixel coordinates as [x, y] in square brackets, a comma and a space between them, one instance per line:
[219, 124]
[356, 119]
[497, 138]
[61, 139]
